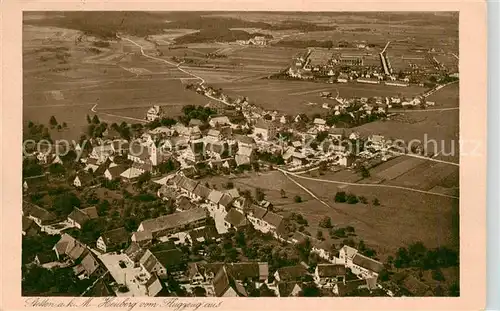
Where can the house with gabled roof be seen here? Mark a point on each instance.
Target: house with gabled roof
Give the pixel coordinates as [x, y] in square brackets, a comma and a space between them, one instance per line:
[88, 266]
[78, 217]
[142, 237]
[111, 240]
[327, 275]
[289, 289]
[266, 221]
[150, 263]
[82, 180]
[226, 286]
[39, 215]
[29, 227]
[114, 172]
[365, 267]
[235, 219]
[290, 273]
[34, 183]
[176, 222]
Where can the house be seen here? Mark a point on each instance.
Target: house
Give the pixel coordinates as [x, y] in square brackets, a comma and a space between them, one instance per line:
[183, 203]
[78, 217]
[368, 80]
[202, 273]
[29, 227]
[57, 160]
[327, 275]
[82, 180]
[244, 156]
[35, 183]
[102, 152]
[214, 198]
[185, 185]
[225, 286]
[218, 120]
[343, 78]
[346, 255]
[298, 159]
[254, 271]
[47, 259]
[415, 287]
[235, 219]
[324, 250]
[365, 267]
[352, 287]
[264, 129]
[200, 192]
[266, 221]
[141, 238]
[320, 124]
[111, 240]
[233, 193]
[290, 273]
[69, 247]
[214, 135]
[244, 141]
[299, 237]
[153, 286]
[336, 133]
[91, 165]
[150, 263]
[153, 113]
[114, 172]
[134, 253]
[195, 122]
[172, 258]
[88, 266]
[39, 215]
[289, 289]
[207, 233]
[176, 222]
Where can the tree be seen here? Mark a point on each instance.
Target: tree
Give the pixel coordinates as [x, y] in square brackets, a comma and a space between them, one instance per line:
[363, 200]
[65, 125]
[229, 185]
[259, 194]
[282, 193]
[264, 291]
[59, 127]
[89, 120]
[64, 203]
[326, 222]
[297, 199]
[95, 119]
[144, 177]
[53, 122]
[352, 199]
[438, 275]
[340, 197]
[319, 235]
[376, 202]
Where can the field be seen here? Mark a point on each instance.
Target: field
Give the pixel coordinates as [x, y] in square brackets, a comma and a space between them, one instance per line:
[401, 218]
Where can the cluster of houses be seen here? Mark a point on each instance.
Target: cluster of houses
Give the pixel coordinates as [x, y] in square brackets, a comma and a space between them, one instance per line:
[257, 40]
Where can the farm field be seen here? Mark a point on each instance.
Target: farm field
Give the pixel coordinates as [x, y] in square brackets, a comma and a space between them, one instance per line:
[401, 218]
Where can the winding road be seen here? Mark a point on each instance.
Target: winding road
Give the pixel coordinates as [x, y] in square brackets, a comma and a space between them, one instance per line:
[178, 66]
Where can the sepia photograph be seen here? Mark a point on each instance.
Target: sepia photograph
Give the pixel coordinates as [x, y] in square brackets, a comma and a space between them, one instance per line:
[241, 154]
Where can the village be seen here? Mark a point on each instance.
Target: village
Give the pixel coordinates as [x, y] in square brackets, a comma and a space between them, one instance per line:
[204, 191]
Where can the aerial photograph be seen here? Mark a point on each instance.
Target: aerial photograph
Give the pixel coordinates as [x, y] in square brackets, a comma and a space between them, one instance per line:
[240, 154]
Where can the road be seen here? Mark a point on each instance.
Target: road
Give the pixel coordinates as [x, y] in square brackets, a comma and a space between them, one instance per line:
[178, 66]
[364, 185]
